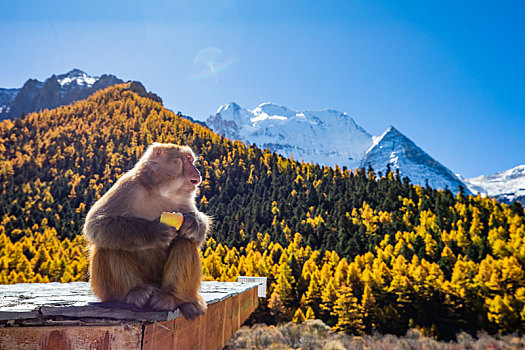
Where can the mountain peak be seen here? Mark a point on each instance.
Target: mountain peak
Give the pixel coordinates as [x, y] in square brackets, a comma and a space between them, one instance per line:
[78, 77]
[228, 106]
[75, 72]
[270, 111]
[391, 130]
[270, 105]
[390, 134]
[395, 149]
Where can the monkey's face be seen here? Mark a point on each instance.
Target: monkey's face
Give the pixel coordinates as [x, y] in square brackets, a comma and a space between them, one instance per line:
[184, 177]
[190, 174]
[171, 170]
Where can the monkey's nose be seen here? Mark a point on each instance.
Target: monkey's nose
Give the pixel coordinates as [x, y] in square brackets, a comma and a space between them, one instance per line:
[196, 181]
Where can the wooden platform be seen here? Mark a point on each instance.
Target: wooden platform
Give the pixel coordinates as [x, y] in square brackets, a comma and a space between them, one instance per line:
[69, 316]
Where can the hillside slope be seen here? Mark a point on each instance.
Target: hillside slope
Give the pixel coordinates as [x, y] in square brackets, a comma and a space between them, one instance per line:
[360, 252]
[74, 153]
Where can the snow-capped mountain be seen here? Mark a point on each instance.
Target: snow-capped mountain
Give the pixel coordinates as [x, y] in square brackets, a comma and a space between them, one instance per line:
[506, 186]
[76, 77]
[401, 153]
[330, 137]
[327, 137]
[55, 91]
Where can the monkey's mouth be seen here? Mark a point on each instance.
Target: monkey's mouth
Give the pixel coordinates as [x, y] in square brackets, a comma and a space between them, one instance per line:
[195, 182]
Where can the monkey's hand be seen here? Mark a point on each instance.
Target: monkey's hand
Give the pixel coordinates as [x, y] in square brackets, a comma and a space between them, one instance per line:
[165, 236]
[128, 233]
[195, 227]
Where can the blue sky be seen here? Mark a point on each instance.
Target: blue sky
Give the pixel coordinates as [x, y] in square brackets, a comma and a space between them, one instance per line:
[448, 74]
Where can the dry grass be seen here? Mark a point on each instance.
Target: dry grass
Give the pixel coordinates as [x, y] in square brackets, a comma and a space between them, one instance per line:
[314, 334]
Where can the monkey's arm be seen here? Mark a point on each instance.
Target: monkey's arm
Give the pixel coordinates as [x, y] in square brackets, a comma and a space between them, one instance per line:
[195, 227]
[127, 232]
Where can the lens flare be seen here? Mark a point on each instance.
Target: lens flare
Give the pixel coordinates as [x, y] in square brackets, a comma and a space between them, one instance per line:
[211, 62]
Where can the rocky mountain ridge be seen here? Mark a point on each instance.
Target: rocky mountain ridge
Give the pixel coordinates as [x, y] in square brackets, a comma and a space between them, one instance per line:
[306, 135]
[506, 186]
[330, 137]
[55, 91]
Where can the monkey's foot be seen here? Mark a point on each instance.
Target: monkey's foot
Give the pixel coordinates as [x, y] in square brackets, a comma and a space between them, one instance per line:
[160, 300]
[194, 309]
[139, 296]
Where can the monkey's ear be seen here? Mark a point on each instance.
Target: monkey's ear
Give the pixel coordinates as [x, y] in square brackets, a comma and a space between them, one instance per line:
[177, 169]
[157, 150]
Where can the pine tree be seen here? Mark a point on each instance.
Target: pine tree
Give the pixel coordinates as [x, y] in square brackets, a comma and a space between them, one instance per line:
[348, 312]
[276, 305]
[369, 308]
[328, 299]
[310, 315]
[298, 317]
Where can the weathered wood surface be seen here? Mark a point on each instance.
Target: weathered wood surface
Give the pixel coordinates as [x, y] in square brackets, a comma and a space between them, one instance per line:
[34, 300]
[128, 336]
[210, 331]
[69, 316]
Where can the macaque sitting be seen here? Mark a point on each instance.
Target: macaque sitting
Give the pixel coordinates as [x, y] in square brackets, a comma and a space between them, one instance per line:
[138, 260]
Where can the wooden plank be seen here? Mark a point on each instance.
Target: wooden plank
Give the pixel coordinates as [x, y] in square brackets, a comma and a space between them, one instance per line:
[210, 331]
[215, 319]
[248, 303]
[13, 315]
[69, 323]
[126, 336]
[102, 310]
[36, 300]
[175, 334]
[232, 319]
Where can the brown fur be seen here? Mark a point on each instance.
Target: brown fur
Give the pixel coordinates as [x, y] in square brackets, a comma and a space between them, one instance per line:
[136, 259]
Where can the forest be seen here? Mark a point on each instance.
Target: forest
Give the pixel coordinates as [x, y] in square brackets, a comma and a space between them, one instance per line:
[362, 251]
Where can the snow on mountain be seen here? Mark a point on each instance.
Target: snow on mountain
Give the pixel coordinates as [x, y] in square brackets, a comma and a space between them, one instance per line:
[401, 153]
[326, 137]
[53, 92]
[7, 97]
[506, 186]
[330, 137]
[78, 77]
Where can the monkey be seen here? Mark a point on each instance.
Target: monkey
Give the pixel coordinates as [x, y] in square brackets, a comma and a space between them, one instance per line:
[134, 258]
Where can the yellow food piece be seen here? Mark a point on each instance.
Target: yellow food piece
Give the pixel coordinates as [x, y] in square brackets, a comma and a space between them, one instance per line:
[172, 219]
